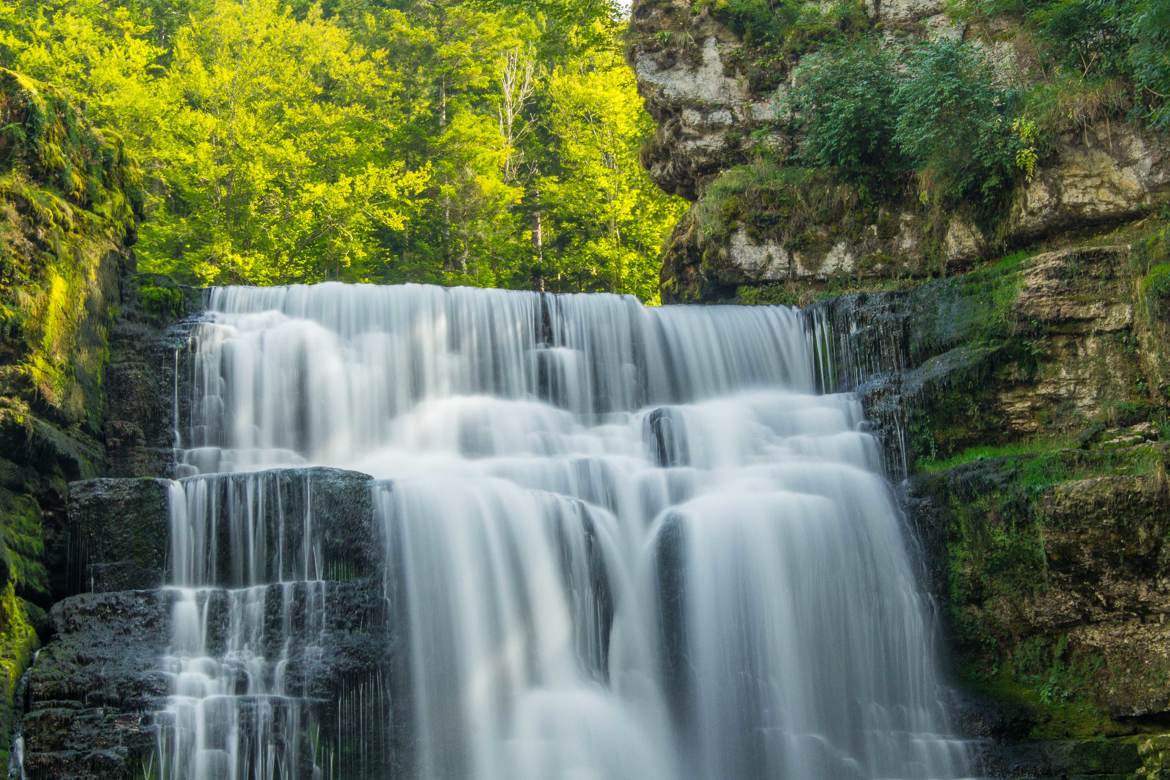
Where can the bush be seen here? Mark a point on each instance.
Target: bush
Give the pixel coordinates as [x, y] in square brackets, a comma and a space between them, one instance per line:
[775, 32]
[953, 126]
[844, 102]
[783, 203]
[1090, 36]
[1149, 59]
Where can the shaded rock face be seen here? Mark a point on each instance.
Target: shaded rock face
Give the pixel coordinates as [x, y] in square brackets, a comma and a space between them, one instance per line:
[120, 534]
[146, 360]
[1017, 399]
[1037, 346]
[97, 695]
[96, 699]
[699, 82]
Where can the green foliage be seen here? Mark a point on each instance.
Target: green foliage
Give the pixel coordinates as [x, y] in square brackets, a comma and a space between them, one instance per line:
[788, 26]
[941, 117]
[776, 32]
[954, 126]
[162, 302]
[1099, 57]
[367, 140]
[1087, 35]
[1155, 289]
[1149, 58]
[843, 100]
[787, 204]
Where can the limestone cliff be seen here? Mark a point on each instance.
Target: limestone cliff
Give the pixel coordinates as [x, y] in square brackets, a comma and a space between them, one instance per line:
[720, 103]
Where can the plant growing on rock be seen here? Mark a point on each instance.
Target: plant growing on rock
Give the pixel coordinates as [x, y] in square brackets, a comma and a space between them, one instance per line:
[954, 126]
[844, 103]
[1149, 59]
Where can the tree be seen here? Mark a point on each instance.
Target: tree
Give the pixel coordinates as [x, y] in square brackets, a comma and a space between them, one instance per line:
[379, 140]
[607, 222]
[276, 169]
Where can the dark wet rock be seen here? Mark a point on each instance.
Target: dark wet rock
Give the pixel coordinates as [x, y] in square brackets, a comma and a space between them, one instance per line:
[147, 355]
[93, 689]
[666, 436]
[121, 527]
[1095, 759]
[338, 502]
[97, 694]
[121, 533]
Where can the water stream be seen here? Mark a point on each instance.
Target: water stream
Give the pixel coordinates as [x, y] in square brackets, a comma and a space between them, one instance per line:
[620, 542]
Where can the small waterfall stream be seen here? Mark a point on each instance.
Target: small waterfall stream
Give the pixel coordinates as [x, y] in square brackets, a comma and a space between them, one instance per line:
[617, 542]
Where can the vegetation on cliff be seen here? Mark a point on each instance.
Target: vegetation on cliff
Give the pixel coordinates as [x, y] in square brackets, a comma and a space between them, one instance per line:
[963, 130]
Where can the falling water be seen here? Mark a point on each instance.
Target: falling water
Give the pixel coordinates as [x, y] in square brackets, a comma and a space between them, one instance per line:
[620, 542]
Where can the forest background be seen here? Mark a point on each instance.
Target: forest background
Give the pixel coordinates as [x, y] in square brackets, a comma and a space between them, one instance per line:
[481, 142]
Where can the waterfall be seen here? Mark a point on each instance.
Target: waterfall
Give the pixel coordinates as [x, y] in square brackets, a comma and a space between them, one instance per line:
[613, 542]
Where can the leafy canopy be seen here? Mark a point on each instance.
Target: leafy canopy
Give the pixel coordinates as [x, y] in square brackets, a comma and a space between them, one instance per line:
[488, 142]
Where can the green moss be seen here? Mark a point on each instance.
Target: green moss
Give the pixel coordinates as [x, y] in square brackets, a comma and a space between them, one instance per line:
[1155, 288]
[1052, 684]
[21, 542]
[994, 452]
[797, 208]
[69, 199]
[997, 566]
[18, 640]
[161, 302]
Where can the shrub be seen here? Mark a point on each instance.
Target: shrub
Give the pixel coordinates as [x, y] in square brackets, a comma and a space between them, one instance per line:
[1090, 36]
[844, 102]
[1149, 59]
[769, 199]
[775, 32]
[953, 126]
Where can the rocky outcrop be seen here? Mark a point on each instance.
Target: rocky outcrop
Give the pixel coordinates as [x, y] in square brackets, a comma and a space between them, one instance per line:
[96, 699]
[703, 108]
[147, 353]
[718, 103]
[1032, 346]
[1016, 399]
[69, 200]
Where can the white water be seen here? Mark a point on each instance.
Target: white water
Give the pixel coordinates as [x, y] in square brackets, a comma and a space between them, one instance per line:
[621, 542]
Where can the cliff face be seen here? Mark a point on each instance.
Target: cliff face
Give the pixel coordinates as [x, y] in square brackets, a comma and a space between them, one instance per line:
[1032, 425]
[1024, 395]
[67, 213]
[720, 103]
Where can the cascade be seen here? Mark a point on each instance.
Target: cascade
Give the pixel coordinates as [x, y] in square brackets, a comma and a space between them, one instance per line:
[611, 542]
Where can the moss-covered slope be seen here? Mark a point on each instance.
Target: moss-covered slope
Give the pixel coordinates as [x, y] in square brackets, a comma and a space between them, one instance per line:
[68, 203]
